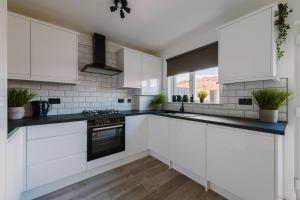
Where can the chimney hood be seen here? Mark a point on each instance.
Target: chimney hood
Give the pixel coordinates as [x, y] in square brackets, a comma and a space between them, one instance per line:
[99, 60]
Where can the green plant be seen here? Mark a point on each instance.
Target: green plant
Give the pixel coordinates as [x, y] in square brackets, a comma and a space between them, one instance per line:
[270, 98]
[281, 27]
[18, 97]
[157, 99]
[202, 95]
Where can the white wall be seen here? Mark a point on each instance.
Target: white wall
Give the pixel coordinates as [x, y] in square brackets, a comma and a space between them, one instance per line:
[3, 122]
[286, 70]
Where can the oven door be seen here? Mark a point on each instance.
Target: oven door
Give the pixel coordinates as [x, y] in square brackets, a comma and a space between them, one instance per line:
[104, 141]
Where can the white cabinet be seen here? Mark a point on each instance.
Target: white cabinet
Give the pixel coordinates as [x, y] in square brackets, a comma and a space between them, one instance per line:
[151, 75]
[247, 48]
[242, 162]
[188, 145]
[159, 136]
[140, 71]
[18, 46]
[53, 53]
[38, 51]
[136, 134]
[16, 165]
[130, 61]
[55, 151]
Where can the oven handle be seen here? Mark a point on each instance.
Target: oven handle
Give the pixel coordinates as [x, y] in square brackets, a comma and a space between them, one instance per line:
[108, 127]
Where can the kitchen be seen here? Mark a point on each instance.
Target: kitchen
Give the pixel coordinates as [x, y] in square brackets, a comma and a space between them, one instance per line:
[114, 114]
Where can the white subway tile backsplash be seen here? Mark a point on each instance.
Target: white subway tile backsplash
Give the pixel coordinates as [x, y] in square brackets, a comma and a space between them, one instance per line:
[229, 99]
[236, 86]
[71, 93]
[64, 111]
[254, 84]
[276, 84]
[236, 113]
[84, 94]
[78, 99]
[91, 99]
[228, 93]
[56, 93]
[71, 105]
[244, 93]
[41, 93]
[66, 99]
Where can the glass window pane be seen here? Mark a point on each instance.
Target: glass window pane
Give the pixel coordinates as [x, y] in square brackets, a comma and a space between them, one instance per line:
[182, 84]
[207, 80]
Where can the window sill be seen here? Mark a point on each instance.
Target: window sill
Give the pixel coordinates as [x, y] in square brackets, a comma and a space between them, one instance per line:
[196, 103]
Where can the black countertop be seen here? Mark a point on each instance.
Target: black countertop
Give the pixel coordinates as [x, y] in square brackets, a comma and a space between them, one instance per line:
[249, 124]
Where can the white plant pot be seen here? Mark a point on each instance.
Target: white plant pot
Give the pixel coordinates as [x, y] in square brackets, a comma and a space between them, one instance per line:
[268, 115]
[16, 113]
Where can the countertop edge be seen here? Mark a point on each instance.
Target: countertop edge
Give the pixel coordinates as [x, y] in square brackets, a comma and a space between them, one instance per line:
[77, 117]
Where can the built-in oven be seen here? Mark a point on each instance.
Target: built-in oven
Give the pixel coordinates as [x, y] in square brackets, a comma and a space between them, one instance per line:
[105, 137]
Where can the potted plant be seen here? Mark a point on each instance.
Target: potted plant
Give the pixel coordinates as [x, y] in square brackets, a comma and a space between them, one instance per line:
[157, 101]
[269, 101]
[202, 95]
[17, 98]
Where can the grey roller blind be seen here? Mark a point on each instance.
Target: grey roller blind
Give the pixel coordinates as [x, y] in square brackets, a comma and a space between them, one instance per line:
[201, 58]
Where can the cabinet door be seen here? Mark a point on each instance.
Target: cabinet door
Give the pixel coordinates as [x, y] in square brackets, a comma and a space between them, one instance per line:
[151, 75]
[159, 135]
[132, 69]
[136, 134]
[246, 49]
[188, 145]
[53, 54]
[242, 162]
[18, 46]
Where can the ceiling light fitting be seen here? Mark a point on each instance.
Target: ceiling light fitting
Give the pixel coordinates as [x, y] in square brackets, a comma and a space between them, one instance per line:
[122, 5]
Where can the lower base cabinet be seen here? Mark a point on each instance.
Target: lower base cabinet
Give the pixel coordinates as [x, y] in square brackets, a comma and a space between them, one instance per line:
[188, 145]
[242, 162]
[55, 152]
[136, 137]
[16, 165]
[159, 136]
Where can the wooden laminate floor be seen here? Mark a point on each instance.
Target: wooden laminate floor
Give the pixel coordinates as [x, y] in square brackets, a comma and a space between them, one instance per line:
[144, 179]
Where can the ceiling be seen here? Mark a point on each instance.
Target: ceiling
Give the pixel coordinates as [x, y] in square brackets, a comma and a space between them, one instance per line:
[152, 25]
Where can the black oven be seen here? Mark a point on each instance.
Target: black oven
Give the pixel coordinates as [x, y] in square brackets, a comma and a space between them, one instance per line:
[105, 137]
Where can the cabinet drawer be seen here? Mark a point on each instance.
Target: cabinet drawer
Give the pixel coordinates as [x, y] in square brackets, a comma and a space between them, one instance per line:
[51, 130]
[48, 172]
[47, 149]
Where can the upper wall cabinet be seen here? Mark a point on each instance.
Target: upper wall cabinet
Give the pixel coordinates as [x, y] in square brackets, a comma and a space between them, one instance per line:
[130, 62]
[140, 71]
[247, 48]
[151, 75]
[18, 46]
[41, 52]
[53, 53]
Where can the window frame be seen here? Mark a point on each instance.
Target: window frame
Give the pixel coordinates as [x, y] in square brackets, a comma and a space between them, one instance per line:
[192, 88]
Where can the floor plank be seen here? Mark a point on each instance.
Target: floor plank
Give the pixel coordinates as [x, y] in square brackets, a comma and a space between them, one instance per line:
[144, 179]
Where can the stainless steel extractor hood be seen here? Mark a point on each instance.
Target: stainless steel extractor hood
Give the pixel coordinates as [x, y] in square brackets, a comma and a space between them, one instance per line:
[99, 61]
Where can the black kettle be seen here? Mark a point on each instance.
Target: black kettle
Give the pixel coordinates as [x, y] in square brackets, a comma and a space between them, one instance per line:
[40, 108]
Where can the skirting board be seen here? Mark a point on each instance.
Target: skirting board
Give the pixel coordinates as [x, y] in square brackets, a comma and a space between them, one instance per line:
[40, 191]
[160, 158]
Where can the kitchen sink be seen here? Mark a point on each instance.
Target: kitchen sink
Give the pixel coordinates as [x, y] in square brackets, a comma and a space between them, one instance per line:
[182, 114]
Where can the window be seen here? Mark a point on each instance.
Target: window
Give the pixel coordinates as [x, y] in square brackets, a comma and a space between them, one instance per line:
[182, 84]
[192, 83]
[207, 80]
